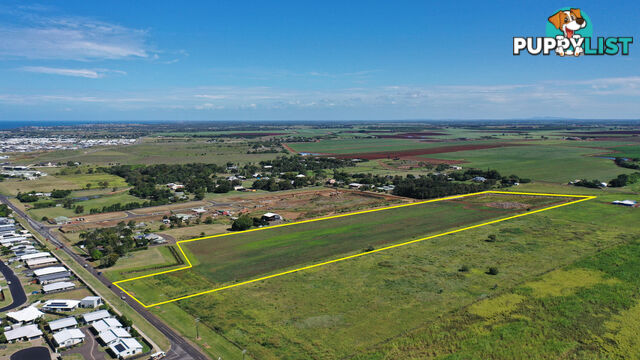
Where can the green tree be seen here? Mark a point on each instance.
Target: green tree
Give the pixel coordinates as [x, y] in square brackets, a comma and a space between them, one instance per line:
[79, 209]
[96, 254]
[244, 222]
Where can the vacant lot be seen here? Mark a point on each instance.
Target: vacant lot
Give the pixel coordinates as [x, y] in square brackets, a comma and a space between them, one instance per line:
[236, 257]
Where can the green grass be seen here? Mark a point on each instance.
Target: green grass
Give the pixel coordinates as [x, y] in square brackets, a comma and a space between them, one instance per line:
[60, 182]
[248, 255]
[106, 200]
[137, 263]
[630, 151]
[552, 163]
[350, 307]
[161, 151]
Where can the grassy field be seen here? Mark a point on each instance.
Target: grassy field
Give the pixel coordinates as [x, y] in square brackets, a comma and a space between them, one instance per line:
[554, 163]
[243, 256]
[106, 200]
[629, 151]
[138, 263]
[349, 307]
[161, 151]
[60, 182]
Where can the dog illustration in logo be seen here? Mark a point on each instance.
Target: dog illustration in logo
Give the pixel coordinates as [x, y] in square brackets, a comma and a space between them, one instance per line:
[568, 21]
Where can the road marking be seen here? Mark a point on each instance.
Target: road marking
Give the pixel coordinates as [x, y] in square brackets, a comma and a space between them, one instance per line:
[189, 265]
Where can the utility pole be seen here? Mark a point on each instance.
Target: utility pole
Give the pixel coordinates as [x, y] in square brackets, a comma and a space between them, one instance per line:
[244, 351]
[197, 333]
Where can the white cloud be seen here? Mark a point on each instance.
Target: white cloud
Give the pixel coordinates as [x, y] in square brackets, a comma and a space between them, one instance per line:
[85, 73]
[604, 98]
[70, 38]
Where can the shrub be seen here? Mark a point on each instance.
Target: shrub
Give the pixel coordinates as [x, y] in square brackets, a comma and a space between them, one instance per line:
[244, 222]
[491, 238]
[493, 271]
[464, 268]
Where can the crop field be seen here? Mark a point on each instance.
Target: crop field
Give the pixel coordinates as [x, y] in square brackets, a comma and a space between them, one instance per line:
[222, 260]
[553, 163]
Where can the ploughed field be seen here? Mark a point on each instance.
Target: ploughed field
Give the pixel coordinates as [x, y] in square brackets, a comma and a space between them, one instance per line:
[224, 260]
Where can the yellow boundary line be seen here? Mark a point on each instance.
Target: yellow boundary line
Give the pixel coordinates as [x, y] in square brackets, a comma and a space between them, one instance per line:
[189, 265]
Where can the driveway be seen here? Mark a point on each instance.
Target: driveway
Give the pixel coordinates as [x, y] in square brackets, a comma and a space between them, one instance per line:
[90, 348]
[17, 292]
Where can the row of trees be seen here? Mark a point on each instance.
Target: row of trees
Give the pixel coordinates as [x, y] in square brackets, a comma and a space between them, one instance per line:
[107, 245]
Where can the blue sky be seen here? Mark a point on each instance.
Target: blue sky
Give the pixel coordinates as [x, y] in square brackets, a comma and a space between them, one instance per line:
[303, 60]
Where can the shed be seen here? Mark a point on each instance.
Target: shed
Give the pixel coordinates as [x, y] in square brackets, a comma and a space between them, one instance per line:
[91, 302]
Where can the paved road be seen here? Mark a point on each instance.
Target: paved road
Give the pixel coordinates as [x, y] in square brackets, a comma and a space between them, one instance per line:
[17, 292]
[180, 348]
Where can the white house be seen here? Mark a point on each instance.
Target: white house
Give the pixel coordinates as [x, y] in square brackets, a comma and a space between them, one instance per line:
[60, 305]
[106, 324]
[29, 332]
[34, 256]
[112, 335]
[125, 347]
[58, 286]
[49, 270]
[91, 302]
[25, 315]
[92, 317]
[33, 263]
[65, 323]
[68, 337]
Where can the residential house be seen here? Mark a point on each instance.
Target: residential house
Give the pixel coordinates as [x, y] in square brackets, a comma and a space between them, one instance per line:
[60, 324]
[26, 315]
[90, 318]
[125, 347]
[57, 305]
[91, 302]
[68, 337]
[28, 332]
[57, 287]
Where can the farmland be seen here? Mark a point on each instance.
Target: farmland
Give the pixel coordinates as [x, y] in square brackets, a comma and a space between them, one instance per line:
[346, 308]
[553, 163]
[237, 257]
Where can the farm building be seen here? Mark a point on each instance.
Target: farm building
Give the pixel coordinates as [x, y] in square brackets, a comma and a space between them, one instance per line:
[271, 216]
[91, 302]
[479, 179]
[68, 337]
[125, 347]
[90, 318]
[60, 305]
[26, 315]
[66, 323]
[51, 278]
[58, 286]
[29, 332]
[625, 202]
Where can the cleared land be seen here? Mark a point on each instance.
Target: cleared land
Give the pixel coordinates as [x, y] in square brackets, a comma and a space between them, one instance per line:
[224, 259]
[359, 146]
